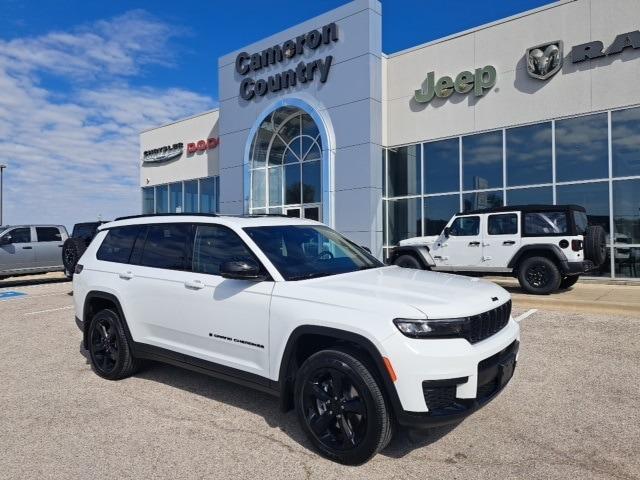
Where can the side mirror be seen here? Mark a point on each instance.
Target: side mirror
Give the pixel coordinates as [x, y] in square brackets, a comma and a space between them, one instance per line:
[446, 232]
[241, 270]
[6, 240]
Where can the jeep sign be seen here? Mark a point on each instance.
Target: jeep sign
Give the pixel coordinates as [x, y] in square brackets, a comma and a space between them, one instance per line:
[482, 80]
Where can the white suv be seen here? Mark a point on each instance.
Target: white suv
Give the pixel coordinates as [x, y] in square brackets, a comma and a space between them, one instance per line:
[547, 247]
[290, 307]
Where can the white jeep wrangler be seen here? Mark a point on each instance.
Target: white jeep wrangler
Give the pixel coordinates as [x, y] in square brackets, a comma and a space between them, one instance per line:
[290, 307]
[547, 247]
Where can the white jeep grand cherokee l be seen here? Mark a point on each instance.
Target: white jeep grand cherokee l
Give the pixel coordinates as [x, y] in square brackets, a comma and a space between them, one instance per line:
[290, 307]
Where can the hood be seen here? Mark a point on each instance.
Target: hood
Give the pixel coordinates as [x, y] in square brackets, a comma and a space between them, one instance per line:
[430, 240]
[400, 290]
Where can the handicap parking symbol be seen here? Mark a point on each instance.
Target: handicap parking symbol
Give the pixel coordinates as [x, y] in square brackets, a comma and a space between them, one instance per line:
[9, 295]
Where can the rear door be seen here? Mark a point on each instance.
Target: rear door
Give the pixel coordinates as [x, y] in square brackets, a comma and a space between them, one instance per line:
[48, 247]
[18, 254]
[501, 240]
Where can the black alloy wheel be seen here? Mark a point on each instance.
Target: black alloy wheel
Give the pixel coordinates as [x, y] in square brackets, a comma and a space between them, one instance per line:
[108, 348]
[104, 345]
[341, 407]
[539, 275]
[334, 409]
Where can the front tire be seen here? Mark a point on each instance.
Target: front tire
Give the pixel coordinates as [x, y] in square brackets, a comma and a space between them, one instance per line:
[539, 276]
[568, 282]
[341, 408]
[408, 261]
[109, 350]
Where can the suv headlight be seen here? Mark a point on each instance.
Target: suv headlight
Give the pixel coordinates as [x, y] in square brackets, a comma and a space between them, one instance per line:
[436, 328]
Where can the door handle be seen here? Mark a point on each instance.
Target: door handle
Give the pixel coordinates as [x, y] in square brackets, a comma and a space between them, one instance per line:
[509, 242]
[474, 244]
[194, 284]
[27, 248]
[126, 275]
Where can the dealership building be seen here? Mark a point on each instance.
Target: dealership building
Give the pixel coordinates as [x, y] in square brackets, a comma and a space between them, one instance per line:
[317, 122]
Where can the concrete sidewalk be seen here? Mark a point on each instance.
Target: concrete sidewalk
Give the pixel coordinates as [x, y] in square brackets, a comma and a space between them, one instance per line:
[586, 297]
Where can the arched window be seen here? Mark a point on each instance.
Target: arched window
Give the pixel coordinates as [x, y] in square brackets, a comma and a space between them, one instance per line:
[286, 173]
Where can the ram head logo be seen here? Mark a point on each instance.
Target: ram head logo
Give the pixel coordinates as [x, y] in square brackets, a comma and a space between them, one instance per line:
[545, 60]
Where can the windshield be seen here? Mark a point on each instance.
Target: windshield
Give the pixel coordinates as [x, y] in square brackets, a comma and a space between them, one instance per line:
[310, 251]
[581, 222]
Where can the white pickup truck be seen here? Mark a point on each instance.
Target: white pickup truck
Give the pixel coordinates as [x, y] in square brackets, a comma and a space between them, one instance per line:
[547, 247]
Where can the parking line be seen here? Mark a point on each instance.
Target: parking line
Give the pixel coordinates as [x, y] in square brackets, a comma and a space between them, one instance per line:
[50, 310]
[526, 314]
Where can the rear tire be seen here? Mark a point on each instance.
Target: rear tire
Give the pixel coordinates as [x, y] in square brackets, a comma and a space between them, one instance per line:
[109, 350]
[539, 275]
[341, 408]
[568, 282]
[408, 261]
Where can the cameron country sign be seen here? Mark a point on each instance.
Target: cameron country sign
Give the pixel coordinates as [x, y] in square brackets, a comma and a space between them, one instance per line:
[302, 73]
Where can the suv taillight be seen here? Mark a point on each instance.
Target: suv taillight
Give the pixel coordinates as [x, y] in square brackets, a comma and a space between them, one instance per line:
[576, 245]
[78, 269]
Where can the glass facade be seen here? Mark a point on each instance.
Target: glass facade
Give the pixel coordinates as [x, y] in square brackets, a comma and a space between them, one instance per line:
[590, 160]
[191, 196]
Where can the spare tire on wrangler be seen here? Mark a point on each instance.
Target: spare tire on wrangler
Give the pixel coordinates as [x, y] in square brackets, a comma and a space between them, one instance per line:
[595, 245]
[72, 250]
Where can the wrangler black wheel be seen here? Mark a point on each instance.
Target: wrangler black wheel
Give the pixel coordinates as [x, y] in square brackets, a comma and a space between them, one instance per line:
[539, 275]
[108, 348]
[408, 261]
[341, 407]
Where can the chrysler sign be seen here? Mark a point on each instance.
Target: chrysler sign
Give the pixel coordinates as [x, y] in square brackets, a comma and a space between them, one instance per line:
[302, 73]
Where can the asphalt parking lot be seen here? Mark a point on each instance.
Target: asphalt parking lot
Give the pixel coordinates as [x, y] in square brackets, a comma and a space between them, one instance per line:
[570, 411]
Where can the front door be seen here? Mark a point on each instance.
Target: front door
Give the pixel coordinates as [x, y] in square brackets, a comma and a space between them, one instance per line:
[18, 253]
[463, 247]
[48, 247]
[502, 239]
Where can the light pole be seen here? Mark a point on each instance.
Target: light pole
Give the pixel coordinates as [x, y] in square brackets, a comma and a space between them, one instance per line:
[2, 167]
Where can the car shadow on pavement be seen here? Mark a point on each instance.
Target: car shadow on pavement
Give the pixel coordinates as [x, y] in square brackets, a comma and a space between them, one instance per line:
[18, 282]
[267, 406]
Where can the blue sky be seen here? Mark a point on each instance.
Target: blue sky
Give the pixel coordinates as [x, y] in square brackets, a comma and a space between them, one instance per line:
[79, 80]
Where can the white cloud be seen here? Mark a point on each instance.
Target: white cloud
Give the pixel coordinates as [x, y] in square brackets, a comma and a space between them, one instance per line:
[73, 154]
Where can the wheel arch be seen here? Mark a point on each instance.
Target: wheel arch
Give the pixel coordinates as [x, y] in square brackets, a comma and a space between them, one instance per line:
[550, 251]
[94, 302]
[318, 338]
[420, 252]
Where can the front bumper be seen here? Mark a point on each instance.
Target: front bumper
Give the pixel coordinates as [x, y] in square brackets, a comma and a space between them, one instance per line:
[494, 373]
[440, 381]
[577, 268]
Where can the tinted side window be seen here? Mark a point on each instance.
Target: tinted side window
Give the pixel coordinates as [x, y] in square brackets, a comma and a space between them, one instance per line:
[167, 246]
[118, 243]
[545, 223]
[48, 234]
[19, 235]
[215, 245]
[83, 230]
[506, 224]
[465, 227]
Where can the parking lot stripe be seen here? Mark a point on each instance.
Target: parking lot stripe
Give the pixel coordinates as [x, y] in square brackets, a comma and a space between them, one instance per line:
[50, 310]
[526, 314]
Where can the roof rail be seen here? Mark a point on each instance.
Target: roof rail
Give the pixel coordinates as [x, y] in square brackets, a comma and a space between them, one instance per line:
[183, 214]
